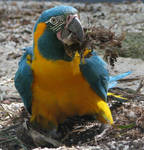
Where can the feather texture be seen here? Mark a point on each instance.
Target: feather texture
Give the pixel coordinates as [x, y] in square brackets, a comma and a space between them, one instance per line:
[24, 78]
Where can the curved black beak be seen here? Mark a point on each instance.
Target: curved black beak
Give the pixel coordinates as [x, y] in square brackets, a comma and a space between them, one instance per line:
[73, 32]
[76, 28]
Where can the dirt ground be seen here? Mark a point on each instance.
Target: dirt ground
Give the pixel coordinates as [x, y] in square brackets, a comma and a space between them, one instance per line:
[16, 23]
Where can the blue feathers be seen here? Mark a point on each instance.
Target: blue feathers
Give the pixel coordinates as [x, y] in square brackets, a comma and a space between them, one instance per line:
[113, 80]
[95, 72]
[120, 76]
[56, 11]
[52, 49]
[23, 79]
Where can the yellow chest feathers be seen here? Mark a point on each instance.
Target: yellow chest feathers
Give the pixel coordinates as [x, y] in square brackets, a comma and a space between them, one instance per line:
[47, 72]
[59, 91]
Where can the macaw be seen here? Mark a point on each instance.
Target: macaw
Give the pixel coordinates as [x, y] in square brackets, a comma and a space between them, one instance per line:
[54, 86]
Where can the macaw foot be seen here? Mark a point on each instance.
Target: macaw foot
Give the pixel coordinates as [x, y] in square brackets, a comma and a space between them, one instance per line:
[42, 137]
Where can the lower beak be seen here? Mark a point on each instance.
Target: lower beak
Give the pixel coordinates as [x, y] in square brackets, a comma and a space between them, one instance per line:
[73, 32]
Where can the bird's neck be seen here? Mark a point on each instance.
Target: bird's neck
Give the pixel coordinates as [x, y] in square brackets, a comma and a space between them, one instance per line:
[48, 44]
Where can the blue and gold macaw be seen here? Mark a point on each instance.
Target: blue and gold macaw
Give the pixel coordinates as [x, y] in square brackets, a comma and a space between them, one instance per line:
[53, 85]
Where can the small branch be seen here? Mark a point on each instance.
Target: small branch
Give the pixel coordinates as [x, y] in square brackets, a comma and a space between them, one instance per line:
[106, 130]
[38, 137]
[140, 87]
[8, 140]
[130, 79]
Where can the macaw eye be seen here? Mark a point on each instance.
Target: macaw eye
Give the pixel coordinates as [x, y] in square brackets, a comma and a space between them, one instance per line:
[53, 20]
[55, 23]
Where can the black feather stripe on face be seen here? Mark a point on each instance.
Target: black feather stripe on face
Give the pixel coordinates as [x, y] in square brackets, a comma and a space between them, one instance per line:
[56, 23]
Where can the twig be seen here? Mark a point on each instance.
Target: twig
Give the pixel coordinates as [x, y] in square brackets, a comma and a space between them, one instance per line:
[21, 144]
[130, 79]
[66, 136]
[8, 140]
[14, 138]
[5, 111]
[10, 127]
[13, 99]
[134, 23]
[105, 132]
[36, 136]
[140, 86]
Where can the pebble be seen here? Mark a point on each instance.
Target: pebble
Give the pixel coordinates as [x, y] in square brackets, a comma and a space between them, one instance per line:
[125, 142]
[88, 139]
[127, 138]
[71, 140]
[132, 146]
[131, 115]
[79, 143]
[126, 147]
[121, 146]
[135, 142]
[97, 148]
[105, 147]
[112, 145]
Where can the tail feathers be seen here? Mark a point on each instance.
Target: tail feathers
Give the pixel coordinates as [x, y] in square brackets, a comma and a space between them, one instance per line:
[112, 84]
[119, 98]
[120, 76]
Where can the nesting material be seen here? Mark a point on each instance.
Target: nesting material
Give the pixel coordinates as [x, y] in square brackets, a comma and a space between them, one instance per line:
[98, 38]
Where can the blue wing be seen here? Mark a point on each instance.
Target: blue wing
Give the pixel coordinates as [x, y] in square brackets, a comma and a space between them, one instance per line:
[95, 72]
[23, 79]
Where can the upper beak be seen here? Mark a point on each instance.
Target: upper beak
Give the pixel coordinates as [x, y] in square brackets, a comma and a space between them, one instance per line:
[72, 32]
[76, 29]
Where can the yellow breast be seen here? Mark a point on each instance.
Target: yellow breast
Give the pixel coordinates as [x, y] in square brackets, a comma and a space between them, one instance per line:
[60, 91]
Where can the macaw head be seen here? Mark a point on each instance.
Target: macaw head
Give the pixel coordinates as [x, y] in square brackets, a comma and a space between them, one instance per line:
[54, 28]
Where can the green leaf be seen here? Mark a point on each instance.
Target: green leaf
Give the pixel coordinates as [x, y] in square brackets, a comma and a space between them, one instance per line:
[127, 126]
